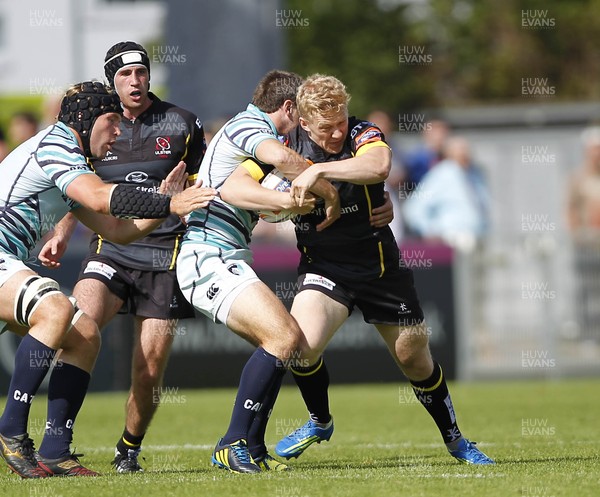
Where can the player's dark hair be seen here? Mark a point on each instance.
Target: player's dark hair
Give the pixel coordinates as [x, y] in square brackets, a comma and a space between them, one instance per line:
[275, 88]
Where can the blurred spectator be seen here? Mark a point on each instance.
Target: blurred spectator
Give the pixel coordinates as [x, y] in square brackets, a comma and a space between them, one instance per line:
[397, 173]
[584, 192]
[452, 200]
[3, 146]
[50, 111]
[583, 218]
[23, 125]
[420, 160]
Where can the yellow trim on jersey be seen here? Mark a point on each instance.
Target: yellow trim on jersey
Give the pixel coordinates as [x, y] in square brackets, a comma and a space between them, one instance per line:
[381, 263]
[310, 372]
[99, 244]
[369, 205]
[254, 169]
[175, 250]
[379, 246]
[368, 146]
[431, 389]
[187, 142]
[192, 178]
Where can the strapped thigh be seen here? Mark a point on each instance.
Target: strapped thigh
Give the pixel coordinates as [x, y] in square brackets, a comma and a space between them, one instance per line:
[32, 291]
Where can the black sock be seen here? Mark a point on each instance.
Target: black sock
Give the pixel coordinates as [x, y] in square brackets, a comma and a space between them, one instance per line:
[66, 392]
[257, 377]
[313, 383]
[32, 362]
[256, 435]
[433, 394]
[129, 441]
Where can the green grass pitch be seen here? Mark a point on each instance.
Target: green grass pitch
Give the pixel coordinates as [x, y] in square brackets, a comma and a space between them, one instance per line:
[544, 435]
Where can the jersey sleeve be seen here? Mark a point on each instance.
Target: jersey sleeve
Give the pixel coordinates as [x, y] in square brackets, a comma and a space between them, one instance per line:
[62, 161]
[365, 135]
[247, 133]
[195, 149]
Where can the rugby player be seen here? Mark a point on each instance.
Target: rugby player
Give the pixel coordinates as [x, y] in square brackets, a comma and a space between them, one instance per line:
[353, 263]
[45, 177]
[140, 278]
[213, 267]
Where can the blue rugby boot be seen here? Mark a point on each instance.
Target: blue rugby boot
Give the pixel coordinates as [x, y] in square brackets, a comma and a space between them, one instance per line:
[301, 439]
[469, 454]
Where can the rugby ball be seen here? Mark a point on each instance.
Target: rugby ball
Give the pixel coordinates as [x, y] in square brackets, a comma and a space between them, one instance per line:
[275, 180]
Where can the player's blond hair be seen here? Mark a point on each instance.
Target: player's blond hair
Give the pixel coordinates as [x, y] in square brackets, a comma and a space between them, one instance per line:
[321, 95]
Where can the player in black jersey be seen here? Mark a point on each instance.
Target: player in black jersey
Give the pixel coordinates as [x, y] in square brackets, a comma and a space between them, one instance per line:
[353, 263]
[140, 278]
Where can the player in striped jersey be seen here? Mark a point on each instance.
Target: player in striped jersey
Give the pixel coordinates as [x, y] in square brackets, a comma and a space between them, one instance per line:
[139, 278]
[355, 262]
[44, 178]
[213, 268]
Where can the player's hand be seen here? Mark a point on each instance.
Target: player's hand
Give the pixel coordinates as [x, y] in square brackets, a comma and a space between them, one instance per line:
[304, 182]
[384, 214]
[309, 203]
[176, 181]
[332, 210]
[52, 251]
[192, 198]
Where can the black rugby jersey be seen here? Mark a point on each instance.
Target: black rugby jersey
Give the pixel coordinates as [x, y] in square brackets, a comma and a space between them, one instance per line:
[350, 248]
[144, 154]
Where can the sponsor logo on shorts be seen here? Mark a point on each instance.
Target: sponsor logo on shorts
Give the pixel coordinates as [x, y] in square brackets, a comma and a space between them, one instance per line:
[2, 265]
[100, 268]
[234, 269]
[212, 291]
[403, 309]
[317, 279]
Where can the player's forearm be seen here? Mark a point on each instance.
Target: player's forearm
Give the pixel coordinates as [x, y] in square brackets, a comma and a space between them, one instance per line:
[363, 170]
[246, 193]
[290, 163]
[65, 227]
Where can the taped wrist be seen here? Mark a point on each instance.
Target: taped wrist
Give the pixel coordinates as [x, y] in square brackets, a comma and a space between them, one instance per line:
[127, 202]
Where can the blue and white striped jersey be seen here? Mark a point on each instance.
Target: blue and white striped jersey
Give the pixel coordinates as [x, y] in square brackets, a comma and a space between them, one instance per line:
[221, 224]
[35, 177]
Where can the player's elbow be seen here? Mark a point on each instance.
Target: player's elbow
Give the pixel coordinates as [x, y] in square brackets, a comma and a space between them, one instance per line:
[282, 159]
[227, 192]
[382, 171]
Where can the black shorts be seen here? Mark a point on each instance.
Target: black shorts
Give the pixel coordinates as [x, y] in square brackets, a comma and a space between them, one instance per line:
[391, 299]
[150, 294]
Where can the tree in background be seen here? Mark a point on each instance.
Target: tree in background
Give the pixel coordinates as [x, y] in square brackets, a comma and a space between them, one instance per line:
[406, 55]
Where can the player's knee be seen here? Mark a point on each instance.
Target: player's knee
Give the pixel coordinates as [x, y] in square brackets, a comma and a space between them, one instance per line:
[54, 314]
[84, 336]
[412, 346]
[146, 377]
[90, 333]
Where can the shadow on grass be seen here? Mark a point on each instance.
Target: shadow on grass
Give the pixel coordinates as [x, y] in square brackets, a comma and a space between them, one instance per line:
[567, 458]
[375, 463]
